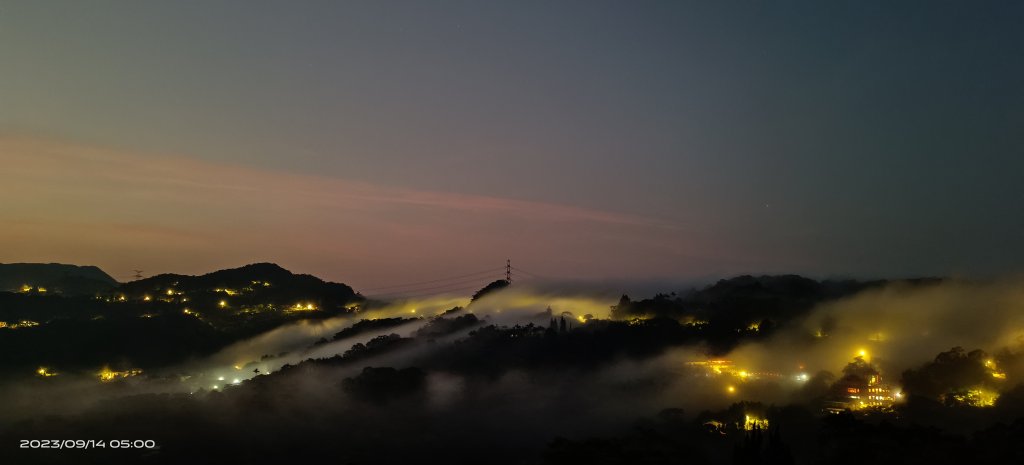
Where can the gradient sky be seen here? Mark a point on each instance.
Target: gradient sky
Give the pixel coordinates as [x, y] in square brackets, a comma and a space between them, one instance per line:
[387, 142]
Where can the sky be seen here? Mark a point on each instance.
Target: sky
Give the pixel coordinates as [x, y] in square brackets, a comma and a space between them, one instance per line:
[381, 143]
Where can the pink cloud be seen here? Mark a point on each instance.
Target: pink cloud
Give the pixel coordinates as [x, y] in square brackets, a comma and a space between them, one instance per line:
[116, 208]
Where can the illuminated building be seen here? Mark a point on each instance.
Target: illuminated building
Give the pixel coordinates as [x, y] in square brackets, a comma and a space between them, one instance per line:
[877, 395]
[107, 375]
[726, 367]
[693, 321]
[637, 321]
[19, 324]
[716, 367]
[306, 306]
[751, 423]
[861, 388]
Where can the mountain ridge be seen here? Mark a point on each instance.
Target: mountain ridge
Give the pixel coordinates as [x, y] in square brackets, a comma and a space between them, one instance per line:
[55, 277]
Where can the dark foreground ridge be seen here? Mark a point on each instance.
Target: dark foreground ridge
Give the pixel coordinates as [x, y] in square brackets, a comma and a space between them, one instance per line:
[567, 388]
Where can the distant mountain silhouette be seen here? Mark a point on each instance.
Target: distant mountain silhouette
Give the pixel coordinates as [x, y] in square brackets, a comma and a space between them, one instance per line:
[154, 321]
[55, 278]
[262, 283]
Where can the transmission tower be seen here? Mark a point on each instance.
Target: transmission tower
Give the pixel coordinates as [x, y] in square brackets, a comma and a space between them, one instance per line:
[508, 271]
[138, 274]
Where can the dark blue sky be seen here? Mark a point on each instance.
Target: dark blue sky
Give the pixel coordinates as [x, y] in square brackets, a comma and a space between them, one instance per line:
[829, 138]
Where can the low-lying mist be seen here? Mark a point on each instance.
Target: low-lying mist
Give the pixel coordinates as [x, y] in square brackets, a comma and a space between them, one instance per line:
[896, 327]
[268, 384]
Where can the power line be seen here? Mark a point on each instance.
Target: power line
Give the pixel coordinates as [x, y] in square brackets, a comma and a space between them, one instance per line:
[427, 288]
[492, 270]
[479, 279]
[413, 296]
[527, 272]
[452, 283]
